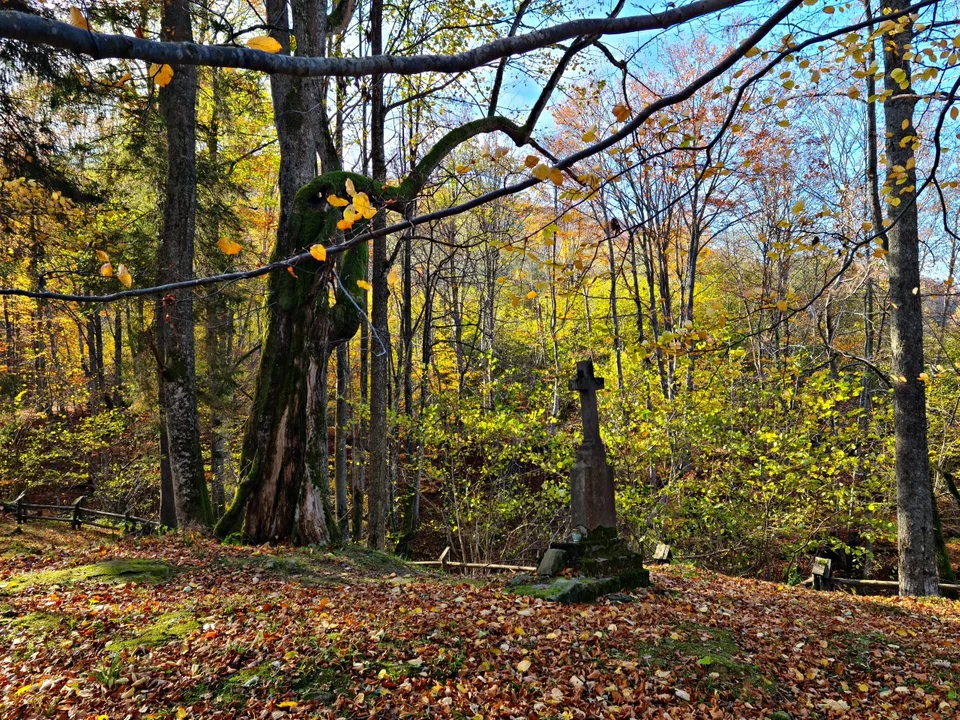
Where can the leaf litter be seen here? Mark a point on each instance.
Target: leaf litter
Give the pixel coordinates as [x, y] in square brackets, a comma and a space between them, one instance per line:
[277, 632]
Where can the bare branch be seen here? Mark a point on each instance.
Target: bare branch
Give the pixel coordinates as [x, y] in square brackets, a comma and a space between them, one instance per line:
[42, 31]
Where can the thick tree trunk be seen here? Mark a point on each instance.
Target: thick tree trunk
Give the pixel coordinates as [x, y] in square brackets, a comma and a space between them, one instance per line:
[378, 506]
[283, 492]
[915, 516]
[175, 323]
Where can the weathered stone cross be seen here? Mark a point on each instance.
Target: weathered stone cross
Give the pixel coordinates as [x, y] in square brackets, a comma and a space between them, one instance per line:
[587, 384]
[592, 498]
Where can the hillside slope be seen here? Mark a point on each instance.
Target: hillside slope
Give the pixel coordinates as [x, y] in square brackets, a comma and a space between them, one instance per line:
[183, 627]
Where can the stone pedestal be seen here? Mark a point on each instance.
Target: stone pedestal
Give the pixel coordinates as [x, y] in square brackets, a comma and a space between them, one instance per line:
[591, 490]
[601, 553]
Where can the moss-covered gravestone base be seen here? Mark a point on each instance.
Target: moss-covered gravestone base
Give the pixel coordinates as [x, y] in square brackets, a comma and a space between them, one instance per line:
[580, 589]
[599, 553]
[603, 563]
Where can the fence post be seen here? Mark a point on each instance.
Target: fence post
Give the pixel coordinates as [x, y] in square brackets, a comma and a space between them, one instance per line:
[127, 522]
[443, 558]
[75, 520]
[19, 503]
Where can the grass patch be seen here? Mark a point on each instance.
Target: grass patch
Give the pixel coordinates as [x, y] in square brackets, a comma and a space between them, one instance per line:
[119, 571]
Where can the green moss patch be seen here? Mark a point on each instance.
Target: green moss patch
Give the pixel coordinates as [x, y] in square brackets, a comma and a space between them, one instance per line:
[168, 627]
[129, 570]
[313, 566]
[714, 651]
[583, 589]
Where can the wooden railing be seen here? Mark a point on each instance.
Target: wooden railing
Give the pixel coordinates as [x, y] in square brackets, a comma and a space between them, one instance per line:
[445, 564]
[76, 515]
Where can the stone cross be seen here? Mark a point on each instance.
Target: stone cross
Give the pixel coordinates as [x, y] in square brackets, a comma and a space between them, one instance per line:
[592, 500]
[587, 384]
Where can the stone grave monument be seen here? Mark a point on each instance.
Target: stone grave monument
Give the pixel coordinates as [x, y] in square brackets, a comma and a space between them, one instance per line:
[601, 560]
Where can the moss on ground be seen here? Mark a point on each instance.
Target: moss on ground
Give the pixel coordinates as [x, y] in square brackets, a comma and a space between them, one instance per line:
[314, 566]
[33, 623]
[126, 570]
[167, 627]
[715, 651]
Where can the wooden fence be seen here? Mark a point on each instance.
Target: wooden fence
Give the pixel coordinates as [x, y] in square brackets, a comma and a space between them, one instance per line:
[76, 515]
[445, 564]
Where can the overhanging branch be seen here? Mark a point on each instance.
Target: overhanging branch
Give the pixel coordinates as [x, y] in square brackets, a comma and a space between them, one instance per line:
[42, 31]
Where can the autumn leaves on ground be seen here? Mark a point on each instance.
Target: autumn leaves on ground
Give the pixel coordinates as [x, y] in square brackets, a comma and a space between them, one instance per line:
[94, 627]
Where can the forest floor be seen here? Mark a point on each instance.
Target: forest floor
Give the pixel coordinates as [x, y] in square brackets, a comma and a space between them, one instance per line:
[180, 627]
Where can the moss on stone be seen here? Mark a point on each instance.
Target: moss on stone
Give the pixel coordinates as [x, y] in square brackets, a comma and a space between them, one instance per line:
[583, 589]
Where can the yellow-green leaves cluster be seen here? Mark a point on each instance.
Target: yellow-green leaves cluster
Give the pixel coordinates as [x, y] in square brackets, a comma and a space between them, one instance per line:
[359, 209]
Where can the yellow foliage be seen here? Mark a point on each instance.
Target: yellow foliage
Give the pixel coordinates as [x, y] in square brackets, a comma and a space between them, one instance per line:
[264, 43]
[228, 246]
[161, 74]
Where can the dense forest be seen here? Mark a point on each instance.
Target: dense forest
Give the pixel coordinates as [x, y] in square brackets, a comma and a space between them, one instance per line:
[300, 272]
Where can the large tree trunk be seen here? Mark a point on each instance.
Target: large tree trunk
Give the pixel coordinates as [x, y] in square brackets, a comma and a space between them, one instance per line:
[915, 516]
[175, 323]
[168, 508]
[283, 494]
[378, 506]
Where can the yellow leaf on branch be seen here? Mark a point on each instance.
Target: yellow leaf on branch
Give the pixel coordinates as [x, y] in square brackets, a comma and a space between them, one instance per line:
[318, 252]
[228, 246]
[541, 172]
[106, 269]
[364, 285]
[78, 19]
[123, 275]
[265, 43]
[531, 161]
[337, 201]
[102, 256]
[621, 112]
[161, 74]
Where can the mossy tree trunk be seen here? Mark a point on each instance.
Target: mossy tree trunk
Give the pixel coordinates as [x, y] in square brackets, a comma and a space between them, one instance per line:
[284, 490]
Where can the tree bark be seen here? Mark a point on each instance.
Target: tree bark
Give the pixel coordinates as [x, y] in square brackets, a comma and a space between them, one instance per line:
[378, 501]
[284, 493]
[175, 322]
[915, 516]
[340, 440]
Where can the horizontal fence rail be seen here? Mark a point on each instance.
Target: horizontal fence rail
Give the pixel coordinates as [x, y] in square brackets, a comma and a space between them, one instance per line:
[445, 564]
[76, 515]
